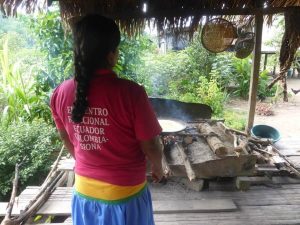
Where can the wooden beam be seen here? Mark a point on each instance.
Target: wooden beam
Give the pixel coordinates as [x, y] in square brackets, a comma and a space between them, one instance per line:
[266, 61]
[255, 70]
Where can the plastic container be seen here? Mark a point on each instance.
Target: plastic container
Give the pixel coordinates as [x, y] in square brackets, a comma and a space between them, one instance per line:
[265, 131]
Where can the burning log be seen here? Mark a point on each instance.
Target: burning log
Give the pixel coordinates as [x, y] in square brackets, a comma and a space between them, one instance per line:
[166, 168]
[213, 140]
[188, 167]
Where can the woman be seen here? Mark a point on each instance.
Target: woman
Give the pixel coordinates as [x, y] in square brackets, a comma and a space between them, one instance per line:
[109, 127]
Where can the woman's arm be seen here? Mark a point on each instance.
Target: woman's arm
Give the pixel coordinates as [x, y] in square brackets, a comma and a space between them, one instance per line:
[67, 143]
[153, 150]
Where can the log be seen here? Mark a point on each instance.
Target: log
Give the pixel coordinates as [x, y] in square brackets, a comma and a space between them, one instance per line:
[7, 219]
[55, 165]
[213, 141]
[188, 167]
[166, 168]
[228, 130]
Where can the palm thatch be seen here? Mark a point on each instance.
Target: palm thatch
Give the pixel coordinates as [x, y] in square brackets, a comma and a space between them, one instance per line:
[289, 45]
[174, 14]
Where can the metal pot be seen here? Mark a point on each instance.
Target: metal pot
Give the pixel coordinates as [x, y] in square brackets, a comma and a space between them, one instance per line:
[171, 126]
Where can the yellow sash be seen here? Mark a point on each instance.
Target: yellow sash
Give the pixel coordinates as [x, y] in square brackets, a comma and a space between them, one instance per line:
[103, 191]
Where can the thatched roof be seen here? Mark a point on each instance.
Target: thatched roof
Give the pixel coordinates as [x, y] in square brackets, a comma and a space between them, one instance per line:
[175, 14]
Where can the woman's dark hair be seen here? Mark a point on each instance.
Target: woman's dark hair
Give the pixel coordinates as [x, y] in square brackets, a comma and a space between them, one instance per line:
[95, 37]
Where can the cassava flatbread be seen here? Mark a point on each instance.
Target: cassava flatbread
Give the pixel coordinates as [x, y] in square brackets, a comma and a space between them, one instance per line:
[171, 125]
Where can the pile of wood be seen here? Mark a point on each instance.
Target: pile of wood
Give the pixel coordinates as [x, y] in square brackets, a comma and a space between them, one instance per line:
[206, 150]
[209, 149]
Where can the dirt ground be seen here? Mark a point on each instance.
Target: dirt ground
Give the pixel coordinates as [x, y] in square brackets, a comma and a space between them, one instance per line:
[286, 116]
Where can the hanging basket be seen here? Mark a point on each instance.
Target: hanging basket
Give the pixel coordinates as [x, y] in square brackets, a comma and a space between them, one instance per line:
[217, 35]
[244, 45]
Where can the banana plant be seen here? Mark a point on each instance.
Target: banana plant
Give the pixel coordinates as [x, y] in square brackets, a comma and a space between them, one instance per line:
[18, 100]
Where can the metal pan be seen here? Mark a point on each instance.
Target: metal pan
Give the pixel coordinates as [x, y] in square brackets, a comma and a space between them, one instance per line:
[171, 126]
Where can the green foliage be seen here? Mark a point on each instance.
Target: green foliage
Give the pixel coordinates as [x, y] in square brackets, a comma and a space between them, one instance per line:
[131, 53]
[34, 144]
[235, 120]
[56, 45]
[11, 25]
[199, 59]
[161, 73]
[223, 70]
[209, 93]
[18, 99]
[241, 76]
[262, 90]
[234, 73]
[176, 73]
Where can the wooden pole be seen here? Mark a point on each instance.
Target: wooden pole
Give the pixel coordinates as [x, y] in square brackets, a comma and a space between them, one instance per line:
[255, 70]
[266, 60]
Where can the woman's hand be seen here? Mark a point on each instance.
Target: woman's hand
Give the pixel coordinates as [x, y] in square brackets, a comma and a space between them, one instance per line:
[157, 173]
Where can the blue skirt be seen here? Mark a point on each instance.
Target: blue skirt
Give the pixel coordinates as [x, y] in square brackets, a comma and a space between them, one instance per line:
[136, 211]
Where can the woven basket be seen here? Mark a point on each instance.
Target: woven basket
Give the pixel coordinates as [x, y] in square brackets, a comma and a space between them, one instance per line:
[244, 45]
[217, 35]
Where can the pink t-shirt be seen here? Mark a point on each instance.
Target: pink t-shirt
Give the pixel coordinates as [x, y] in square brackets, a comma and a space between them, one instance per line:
[107, 141]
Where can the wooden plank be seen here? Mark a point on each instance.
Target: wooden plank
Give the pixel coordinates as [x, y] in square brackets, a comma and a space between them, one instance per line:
[196, 185]
[56, 207]
[285, 180]
[295, 160]
[258, 215]
[244, 183]
[259, 20]
[290, 152]
[63, 208]
[193, 206]
[3, 206]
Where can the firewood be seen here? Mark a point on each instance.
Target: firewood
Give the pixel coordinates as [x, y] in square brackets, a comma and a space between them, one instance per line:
[188, 167]
[213, 140]
[166, 168]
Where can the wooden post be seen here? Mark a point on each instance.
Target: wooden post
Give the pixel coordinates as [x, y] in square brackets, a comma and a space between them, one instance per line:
[255, 70]
[266, 60]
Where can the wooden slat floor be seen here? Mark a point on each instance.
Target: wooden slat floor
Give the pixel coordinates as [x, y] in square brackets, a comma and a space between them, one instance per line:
[291, 148]
[261, 205]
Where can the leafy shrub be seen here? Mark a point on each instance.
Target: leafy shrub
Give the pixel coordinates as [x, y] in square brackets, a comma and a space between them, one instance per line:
[209, 93]
[131, 53]
[235, 120]
[241, 76]
[231, 72]
[56, 46]
[34, 144]
[223, 70]
[18, 98]
[263, 82]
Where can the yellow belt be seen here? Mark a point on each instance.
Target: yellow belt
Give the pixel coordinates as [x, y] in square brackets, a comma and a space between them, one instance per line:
[99, 190]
